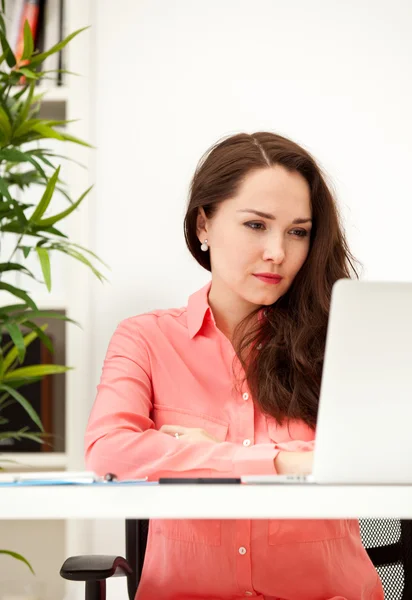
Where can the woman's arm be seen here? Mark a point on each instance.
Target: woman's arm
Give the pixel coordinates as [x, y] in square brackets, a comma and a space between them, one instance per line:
[294, 463]
[121, 437]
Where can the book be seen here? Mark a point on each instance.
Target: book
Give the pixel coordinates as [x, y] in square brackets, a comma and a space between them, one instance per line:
[30, 13]
[51, 37]
[14, 11]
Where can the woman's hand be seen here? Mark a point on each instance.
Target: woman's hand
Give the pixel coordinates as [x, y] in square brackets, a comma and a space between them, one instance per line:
[189, 434]
[294, 463]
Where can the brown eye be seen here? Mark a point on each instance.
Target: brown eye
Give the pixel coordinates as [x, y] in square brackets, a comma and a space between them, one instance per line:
[300, 232]
[254, 225]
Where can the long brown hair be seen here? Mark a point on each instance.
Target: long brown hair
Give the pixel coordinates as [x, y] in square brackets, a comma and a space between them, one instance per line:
[283, 355]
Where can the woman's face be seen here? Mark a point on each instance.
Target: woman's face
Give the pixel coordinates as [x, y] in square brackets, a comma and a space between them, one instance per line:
[244, 244]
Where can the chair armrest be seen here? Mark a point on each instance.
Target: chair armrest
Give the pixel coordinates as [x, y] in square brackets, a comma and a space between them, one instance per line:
[94, 567]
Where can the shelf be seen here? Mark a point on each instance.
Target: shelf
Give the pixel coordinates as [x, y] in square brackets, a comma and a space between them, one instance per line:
[53, 93]
[33, 461]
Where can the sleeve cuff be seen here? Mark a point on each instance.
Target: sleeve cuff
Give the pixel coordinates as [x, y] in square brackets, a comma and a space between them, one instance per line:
[255, 460]
[296, 446]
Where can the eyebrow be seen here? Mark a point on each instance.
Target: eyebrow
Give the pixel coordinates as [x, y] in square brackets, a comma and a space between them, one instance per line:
[272, 217]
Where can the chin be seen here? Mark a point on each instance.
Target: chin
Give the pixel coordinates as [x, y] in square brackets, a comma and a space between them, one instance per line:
[262, 299]
[269, 302]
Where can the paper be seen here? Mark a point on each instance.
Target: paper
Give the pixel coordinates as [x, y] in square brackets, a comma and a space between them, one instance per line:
[62, 478]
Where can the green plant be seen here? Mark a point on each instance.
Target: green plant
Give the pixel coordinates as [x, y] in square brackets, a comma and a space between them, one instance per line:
[25, 162]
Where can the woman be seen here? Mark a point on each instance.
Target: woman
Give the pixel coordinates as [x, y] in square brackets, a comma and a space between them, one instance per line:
[229, 385]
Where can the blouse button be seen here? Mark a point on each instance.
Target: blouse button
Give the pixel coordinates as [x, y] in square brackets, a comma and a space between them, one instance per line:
[246, 442]
[248, 594]
[242, 550]
[245, 396]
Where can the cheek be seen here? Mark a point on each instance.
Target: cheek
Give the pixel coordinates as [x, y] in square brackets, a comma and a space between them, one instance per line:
[298, 257]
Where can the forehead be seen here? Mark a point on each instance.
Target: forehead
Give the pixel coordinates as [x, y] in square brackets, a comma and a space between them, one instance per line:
[272, 187]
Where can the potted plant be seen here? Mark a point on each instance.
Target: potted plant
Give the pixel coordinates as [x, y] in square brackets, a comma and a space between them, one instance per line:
[26, 162]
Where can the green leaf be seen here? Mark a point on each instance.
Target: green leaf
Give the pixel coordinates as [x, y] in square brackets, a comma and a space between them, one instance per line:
[53, 231]
[42, 157]
[15, 155]
[78, 256]
[42, 314]
[18, 435]
[21, 92]
[46, 198]
[70, 138]
[18, 556]
[18, 383]
[10, 266]
[47, 132]
[27, 104]
[27, 73]
[5, 190]
[21, 434]
[68, 158]
[28, 42]
[17, 337]
[45, 265]
[91, 254]
[5, 127]
[23, 402]
[10, 308]
[64, 213]
[38, 58]
[8, 53]
[40, 334]
[19, 293]
[11, 356]
[62, 71]
[24, 179]
[35, 371]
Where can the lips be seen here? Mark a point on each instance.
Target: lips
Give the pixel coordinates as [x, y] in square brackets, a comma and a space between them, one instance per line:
[268, 277]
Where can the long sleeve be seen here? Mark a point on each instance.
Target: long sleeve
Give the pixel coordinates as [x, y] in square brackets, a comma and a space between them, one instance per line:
[121, 437]
[296, 446]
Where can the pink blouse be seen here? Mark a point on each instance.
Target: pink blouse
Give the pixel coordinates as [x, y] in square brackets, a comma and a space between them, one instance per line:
[175, 367]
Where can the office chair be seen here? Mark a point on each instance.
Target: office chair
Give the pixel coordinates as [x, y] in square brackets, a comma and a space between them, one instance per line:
[387, 541]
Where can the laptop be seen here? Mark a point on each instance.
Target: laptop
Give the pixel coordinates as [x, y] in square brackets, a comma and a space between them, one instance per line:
[364, 426]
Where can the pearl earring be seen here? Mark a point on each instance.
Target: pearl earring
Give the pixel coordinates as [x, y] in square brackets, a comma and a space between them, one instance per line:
[204, 246]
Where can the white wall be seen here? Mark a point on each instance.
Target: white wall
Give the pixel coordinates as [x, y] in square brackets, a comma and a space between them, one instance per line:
[173, 77]
[42, 544]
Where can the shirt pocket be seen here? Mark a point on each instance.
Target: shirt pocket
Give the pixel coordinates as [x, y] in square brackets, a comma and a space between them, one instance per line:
[192, 531]
[295, 531]
[167, 415]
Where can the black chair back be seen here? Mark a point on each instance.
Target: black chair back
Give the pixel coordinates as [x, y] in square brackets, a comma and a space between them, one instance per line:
[387, 541]
[389, 545]
[136, 542]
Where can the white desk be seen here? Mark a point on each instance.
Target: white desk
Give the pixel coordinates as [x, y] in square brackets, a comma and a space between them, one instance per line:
[206, 501]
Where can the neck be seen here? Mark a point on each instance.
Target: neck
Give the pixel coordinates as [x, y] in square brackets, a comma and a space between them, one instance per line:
[228, 308]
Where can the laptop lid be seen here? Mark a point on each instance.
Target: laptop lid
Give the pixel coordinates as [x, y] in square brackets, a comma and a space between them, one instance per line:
[364, 427]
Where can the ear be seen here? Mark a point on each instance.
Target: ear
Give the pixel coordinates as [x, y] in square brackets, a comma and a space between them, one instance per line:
[201, 222]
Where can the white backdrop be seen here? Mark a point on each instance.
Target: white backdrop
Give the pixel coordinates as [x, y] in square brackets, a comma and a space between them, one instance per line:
[173, 77]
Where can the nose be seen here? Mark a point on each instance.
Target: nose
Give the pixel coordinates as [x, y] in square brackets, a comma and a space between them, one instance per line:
[274, 251]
